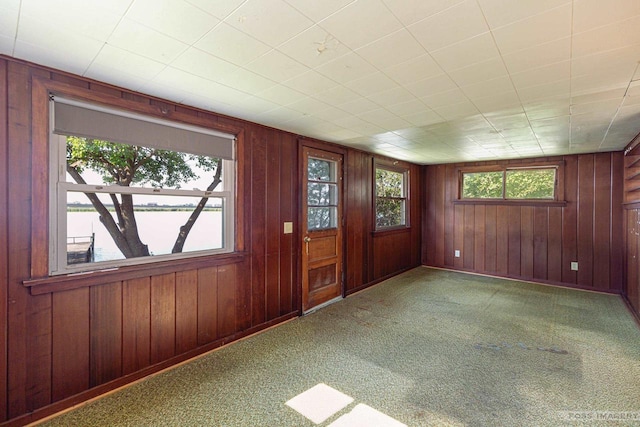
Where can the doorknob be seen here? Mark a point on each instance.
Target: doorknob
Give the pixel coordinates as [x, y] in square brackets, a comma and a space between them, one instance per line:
[307, 239]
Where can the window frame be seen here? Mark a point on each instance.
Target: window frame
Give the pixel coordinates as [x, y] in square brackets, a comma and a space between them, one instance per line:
[40, 279]
[558, 197]
[392, 166]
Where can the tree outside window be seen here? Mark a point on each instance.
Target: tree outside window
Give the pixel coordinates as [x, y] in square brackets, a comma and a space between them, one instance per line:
[391, 197]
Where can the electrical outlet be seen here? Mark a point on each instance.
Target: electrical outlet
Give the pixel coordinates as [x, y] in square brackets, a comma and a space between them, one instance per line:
[288, 227]
[457, 253]
[574, 266]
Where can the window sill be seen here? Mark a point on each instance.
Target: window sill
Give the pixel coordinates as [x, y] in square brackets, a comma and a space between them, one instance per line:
[389, 231]
[99, 277]
[560, 203]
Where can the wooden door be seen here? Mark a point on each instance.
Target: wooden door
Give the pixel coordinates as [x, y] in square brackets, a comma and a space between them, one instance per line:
[321, 227]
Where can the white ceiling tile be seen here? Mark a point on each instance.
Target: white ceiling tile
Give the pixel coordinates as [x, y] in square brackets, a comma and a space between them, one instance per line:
[542, 75]
[141, 40]
[423, 118]
[561, 88]
[232, 45]
[604, 95]
[346, 68]
[413, 70]
[175, 18]
[395, 48]
[310, 83]
[503, 103]
[385, 119]
[314, 47]
[618, 62]
[277, 66]
[316, 10]
[527, 32]
[391, 96]
[271, 21]
[479, 72]
[547, 109]
[372, 83]
[412, 11]
[442, 99]
[92, 18]
[477, 49]
[488, 87]
[536, 56]
[608, 37]
[330, 114]
[108, 63]
[6, 45]
[588, 14]
[218, 8]
[431, 86]
[359, 125]
[336, 95]
[361, 22]
[513, 121]
[504, 12]
[456, 111]
[255, 105]
[309, 106]
[73, 62]
[457, 23]
[280, 95]
[9, 20]
[358, 106]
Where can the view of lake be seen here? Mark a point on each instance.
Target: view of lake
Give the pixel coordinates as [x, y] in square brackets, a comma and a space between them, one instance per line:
[158, 229]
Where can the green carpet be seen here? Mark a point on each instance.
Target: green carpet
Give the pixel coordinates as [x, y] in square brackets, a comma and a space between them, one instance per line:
[426, 348]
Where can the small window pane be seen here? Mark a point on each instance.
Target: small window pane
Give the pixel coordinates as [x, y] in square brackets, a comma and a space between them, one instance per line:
[322, 194]
[531, 183]
[482, 185]
[389, 183]
[322, 218]
[320, 170]
[390, 212]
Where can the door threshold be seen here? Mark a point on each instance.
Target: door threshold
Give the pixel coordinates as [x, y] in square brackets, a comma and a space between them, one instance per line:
[324, 304]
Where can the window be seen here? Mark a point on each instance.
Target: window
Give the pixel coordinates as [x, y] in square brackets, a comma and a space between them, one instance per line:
[391, 196]
[128, 188]
[523, 183]
[322, 194]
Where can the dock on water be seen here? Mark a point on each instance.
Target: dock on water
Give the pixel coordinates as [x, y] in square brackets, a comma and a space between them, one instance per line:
[80, 249]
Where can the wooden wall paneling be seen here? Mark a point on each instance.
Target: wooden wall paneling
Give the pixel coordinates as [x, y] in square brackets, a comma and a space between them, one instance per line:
[273, 228]
[502, 240]
[540, 242]
[617, 222]
[429, 231]
[70, 351]
[288, 204]
[491, 239]
[29, 318]
[259, 189]
[440, 196]
[368, 221]
[570, 220]
[416, 215]
[458, 235]
[163, 317]
[515, 217]
[207, 305]
[353, 215]
[602, 210]
[468, 244]
[479, 238]
[105, 320]
[186, 310]
[526, 241]
[451, 182]
[136, 324]
[226, 299]
[585, 219]
[554, 245]
[633, 253]
[4, 166]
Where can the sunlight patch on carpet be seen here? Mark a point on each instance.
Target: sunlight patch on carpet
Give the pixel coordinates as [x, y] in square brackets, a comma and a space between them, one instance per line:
[319, 402]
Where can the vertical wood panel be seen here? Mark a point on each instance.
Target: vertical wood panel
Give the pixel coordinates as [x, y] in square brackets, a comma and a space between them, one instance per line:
[429, 236]
[226, 300]
[540, 242]
[70, 352]
[468, 245]
[514, 240]
[449, 212]
[105, 308]
[273, 227]
[554, 246]
[439, 192]
[186, 311]
[570, 220]
[207, 305]
[3, 238]
[163, 317]
[617, 222]
[479, 239]
[458, 235]
[502, 240]
[602, 221]
[491, 239]
[633, 231]
[136, 324]
[259, 189]
[526, 242]
[585, 219]
[288, 203]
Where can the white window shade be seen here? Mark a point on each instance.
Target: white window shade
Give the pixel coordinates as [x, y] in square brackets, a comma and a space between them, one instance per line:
[73, 118]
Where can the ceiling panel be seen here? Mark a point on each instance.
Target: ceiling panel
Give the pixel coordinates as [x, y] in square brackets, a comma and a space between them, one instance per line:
[428, 81]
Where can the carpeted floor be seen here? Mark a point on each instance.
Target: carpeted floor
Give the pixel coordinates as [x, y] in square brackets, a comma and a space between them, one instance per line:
[426, 348]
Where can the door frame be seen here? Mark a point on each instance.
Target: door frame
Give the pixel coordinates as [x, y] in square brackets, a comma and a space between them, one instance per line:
[335, 149]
